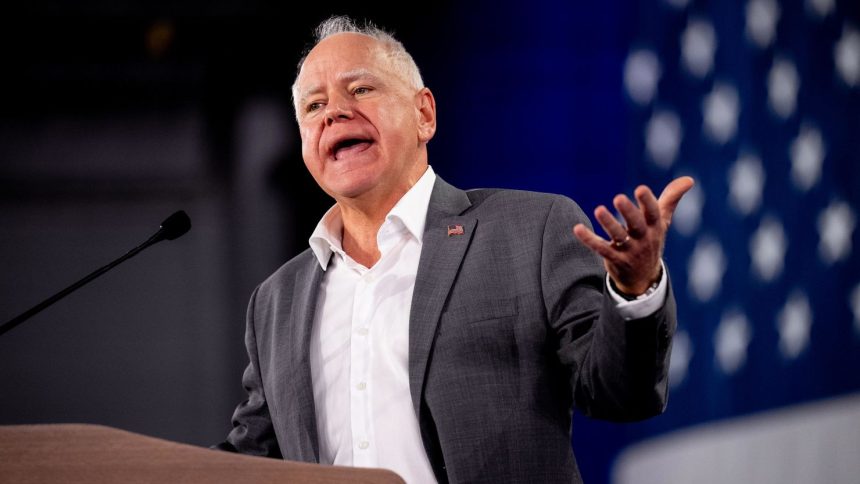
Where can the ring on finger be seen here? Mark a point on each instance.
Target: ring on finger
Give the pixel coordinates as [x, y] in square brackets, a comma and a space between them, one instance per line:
[620, 243]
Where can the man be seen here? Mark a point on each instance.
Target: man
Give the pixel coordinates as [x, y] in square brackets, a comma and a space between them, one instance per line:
[443, 334]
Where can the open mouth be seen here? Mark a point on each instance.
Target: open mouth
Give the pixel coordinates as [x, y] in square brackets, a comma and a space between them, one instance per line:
[349, 147]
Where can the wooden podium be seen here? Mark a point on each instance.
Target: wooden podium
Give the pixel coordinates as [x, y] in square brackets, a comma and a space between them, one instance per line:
[94, 454]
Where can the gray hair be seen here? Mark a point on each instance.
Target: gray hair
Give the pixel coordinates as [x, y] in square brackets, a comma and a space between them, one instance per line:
[403, 62]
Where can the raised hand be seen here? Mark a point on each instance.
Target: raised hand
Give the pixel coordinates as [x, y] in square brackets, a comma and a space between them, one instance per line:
[632, 254]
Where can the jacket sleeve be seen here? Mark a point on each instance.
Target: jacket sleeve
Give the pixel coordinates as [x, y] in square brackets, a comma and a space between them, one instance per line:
[618, 369]
[252, 432]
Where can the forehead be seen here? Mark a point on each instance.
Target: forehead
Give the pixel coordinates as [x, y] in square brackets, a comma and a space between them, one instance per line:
[341, 54]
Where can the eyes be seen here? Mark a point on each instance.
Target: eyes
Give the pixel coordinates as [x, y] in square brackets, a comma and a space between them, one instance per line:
[317, 105]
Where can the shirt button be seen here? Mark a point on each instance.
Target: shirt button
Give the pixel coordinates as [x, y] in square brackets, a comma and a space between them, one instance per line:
[361, 386]
[369, 277]
[362, 331]
[363, 444]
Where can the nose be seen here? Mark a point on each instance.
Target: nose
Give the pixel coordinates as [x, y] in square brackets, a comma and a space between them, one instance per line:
[337, 110]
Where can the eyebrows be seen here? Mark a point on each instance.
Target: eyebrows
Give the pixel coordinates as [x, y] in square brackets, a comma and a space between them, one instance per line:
[357, 75]
[345, 78]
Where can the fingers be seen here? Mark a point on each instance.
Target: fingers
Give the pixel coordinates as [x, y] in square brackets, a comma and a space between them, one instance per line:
[672, 195]
[648, 203]
[636, 225]
[610, 225]
[593, 241]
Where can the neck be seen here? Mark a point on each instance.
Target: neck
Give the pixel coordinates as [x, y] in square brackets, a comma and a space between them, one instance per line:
[359, 238]
[362, 217]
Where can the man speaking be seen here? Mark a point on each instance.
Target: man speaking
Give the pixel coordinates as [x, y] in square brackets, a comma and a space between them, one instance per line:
[444, 334]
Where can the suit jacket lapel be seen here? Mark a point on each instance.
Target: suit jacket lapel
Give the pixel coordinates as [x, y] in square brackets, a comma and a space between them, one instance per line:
[303, 307]
[441, 256]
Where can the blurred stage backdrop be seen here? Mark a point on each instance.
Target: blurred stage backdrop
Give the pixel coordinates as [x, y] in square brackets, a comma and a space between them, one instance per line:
[115, 114]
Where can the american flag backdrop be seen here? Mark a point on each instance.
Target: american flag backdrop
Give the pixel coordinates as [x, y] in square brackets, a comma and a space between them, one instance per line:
[759, 101]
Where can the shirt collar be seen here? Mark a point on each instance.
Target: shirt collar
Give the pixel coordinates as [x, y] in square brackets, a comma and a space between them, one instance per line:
[410, 210]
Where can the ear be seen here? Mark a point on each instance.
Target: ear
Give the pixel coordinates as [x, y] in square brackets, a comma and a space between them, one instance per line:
[425, 108]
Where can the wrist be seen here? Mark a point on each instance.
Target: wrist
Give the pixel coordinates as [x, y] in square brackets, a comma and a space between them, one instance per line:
[631, 293]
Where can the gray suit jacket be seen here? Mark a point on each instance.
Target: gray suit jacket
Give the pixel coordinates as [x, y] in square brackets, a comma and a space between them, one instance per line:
[509, 330]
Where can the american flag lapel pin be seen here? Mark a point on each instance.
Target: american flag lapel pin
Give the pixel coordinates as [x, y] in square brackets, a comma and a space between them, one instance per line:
[455, 230]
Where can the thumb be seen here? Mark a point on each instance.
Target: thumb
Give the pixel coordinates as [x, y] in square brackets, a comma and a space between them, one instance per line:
[671, 196]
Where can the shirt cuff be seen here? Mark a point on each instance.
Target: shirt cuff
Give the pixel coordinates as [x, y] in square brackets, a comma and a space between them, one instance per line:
[644, 305]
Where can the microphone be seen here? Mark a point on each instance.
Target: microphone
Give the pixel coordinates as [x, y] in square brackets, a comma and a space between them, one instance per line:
[173, 227]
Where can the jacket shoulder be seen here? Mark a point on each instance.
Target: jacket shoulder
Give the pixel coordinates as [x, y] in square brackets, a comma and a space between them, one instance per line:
[521, 201]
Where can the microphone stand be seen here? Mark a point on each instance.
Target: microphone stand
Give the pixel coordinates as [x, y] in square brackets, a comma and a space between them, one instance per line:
[173, 227]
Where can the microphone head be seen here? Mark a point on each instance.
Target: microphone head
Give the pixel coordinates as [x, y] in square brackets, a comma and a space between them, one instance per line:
[175, 225]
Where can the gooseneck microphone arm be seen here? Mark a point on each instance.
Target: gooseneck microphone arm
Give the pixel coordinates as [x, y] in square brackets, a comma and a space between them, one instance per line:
[173, 227]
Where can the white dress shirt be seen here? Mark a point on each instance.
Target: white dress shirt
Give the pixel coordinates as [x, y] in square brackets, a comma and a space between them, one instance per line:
[359, 352]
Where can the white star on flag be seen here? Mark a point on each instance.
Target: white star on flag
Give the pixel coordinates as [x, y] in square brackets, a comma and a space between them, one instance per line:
[762, 17]
[641, 76]
[783, 82]
[705, 269]
[846, 55]
[767, 249]
[688, 213]
[854, 301]
[820, 8]
[698, 46]
[731, 341]
[794, 322]
[679, 362]
[746, 183]
[835, 226]
[663, 137]
[807, 156]
[721, 109]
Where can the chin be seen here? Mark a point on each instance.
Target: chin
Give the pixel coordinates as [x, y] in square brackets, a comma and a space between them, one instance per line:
[346, 188]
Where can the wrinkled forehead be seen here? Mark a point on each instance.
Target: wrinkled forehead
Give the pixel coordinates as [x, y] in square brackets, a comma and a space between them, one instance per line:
[342, 53]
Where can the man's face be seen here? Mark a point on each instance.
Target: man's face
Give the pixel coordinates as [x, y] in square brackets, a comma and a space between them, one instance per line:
[363, 127]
